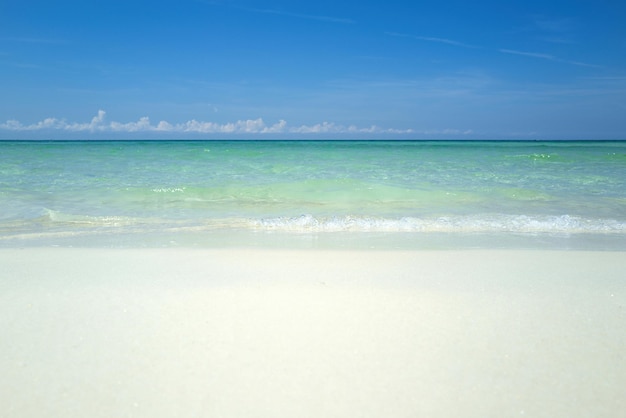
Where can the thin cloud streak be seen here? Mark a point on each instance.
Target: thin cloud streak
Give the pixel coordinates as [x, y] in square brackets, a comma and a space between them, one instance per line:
[528, 54]
[302, 16]
[502, 50]
[432, 39]
[33, 40]
[330, 19]
[547, 57]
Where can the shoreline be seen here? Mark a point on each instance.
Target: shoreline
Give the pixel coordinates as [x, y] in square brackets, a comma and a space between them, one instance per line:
[238, 239]
[275, 332]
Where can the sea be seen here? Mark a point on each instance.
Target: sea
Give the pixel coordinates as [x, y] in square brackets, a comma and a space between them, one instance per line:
[314, 194]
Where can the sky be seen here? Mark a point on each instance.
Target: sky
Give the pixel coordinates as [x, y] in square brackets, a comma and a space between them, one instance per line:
[546, 69]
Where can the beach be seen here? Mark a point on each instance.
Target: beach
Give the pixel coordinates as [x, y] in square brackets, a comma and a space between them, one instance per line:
[312, 279]
[252, 332]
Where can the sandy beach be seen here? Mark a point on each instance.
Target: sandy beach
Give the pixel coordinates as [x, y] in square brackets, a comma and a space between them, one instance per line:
[279, 333]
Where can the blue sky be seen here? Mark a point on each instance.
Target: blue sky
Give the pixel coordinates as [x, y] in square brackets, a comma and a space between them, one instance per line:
[302, 69]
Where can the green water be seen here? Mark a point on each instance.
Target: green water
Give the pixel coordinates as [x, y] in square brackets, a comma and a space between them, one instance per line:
[312, 187]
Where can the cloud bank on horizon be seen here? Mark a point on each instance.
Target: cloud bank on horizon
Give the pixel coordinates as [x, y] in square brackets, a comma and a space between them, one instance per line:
[251, 126]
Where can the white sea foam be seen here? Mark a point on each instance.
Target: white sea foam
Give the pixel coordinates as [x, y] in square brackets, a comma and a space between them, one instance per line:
[564, 224]
[308, 223]
[58, 217]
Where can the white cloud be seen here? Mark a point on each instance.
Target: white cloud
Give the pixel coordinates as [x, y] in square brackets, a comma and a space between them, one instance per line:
[95, 124]
[276, 128]
[250, 126]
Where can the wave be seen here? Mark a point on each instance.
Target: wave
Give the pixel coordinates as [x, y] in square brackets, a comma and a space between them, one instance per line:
[55, 222]
[57, 217]
[564, 224]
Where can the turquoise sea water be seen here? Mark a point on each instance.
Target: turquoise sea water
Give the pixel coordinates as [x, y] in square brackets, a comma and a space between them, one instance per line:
[566, 194]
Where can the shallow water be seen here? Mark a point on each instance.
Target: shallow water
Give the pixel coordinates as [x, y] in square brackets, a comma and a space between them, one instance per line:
[489, 193]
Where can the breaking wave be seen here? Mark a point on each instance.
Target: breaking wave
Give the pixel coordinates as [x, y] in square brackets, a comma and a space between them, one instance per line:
[564, 224]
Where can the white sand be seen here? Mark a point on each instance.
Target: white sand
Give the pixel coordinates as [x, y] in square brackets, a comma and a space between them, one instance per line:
[253, 333]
